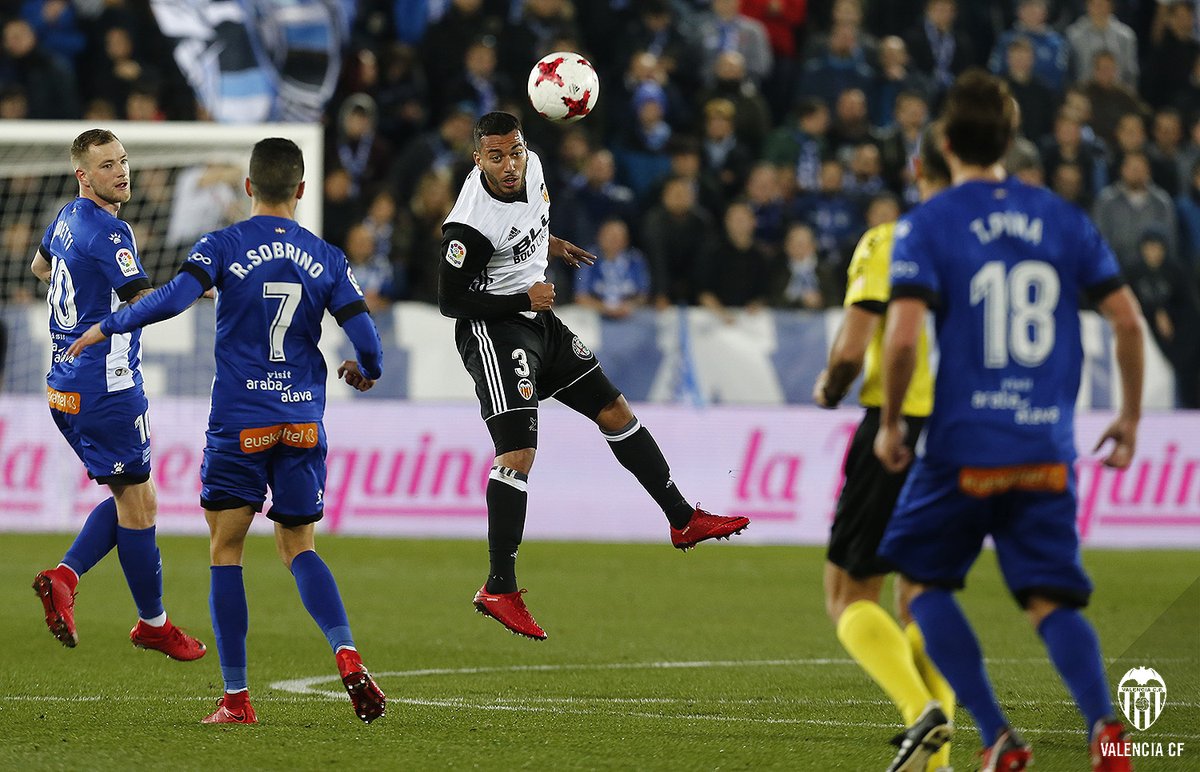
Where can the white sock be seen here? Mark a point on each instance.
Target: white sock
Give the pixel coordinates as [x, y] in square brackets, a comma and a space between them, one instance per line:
[237, 691]
[339, 648]
[157, 621]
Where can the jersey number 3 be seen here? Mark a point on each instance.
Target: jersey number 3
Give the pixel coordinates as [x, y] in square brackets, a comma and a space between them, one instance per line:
[1018, 311]
[288, 293]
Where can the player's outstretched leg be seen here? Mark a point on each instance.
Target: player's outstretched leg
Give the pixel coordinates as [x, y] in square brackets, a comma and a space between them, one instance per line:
[507, 497]
[636, 450]
[231, 621]
[953, 647]
[56, 586]
[320, 595]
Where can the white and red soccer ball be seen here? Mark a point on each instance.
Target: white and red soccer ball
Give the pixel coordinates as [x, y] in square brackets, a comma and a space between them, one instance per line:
[563, 87]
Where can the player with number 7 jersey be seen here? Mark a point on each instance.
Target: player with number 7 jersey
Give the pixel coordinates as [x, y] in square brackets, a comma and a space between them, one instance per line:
[274, 280]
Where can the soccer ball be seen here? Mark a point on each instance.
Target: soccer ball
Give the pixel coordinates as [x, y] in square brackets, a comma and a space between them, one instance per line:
[563, 87]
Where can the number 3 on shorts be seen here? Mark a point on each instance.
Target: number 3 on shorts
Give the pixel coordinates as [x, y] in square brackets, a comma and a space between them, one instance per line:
[522, 368]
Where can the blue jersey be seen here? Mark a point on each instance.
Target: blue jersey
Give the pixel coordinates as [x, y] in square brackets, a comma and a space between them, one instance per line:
[275, 280]
[94, 270]
[1003, 266]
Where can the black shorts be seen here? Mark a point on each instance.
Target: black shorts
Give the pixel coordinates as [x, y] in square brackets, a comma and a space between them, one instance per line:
[517, 362]
[866, 501]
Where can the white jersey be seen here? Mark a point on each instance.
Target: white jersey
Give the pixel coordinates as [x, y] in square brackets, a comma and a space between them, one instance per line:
[519, 230]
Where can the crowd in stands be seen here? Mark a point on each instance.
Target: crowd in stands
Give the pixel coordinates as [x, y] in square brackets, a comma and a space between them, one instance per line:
[739, 148]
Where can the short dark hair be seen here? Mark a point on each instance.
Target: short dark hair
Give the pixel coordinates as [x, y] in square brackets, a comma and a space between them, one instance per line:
[276, 170]
[979, 118]
[495, 124]
[89, 139]
[933, 163]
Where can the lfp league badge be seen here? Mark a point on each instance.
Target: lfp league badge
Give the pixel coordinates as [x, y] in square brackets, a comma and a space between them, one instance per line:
[1143, 695]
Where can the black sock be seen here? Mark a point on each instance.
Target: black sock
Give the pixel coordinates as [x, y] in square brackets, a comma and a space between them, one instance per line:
[506, 499]
[638, 452]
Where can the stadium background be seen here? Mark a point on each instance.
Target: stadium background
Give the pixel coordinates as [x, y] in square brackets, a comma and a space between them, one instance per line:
[779, 135]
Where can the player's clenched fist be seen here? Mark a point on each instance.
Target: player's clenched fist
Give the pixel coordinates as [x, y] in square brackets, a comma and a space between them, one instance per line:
[349, 372]
[541, 296]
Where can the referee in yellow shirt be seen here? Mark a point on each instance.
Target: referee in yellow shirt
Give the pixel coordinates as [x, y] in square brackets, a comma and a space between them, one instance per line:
[893, 657]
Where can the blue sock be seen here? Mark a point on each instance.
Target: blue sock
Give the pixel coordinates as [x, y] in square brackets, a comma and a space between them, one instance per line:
[951, 644]
[143, 569]
[231, 620]
[1075, 652]
[320, 595]
[95, 540]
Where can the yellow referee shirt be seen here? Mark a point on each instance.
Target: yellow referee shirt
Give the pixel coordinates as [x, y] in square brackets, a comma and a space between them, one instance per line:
[869, 283]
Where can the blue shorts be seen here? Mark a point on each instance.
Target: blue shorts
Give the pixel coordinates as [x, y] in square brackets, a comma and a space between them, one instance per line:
[937, 532]
[241, 464]
[109, 431]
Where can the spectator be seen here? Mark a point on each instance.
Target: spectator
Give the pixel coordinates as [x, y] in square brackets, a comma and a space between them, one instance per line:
[1130, 206]
[1110, 99]
[1067, 145]
[656, 32]
[372, 272]
[752, 117]
[642, 156]
[1023, 162]
[1096, 31]
[864, 177]
[836, 218]
[781, 19]
[937, 47]
[543, 23]
[48, 83]
[843, 12]
[675, 234]
[1167, 294]
[1131, 138]
[141, 104]
[893, 78]
[341, 209]
[798, 284]
[55, 25]
[465, 20]
[898, 145]
[381, 220]
[1188, 207]
[1037, 100]
[357, 146]
[687, 162]
[851, 123]
[14, 105]
[1051, 54]
[1188, 98]
[839, 68]
[736, 271]
[804, 145]
[1166, 145]
[427, 210]
[619, 282]
[402, 95]
[765, 199]
[725, 160]
[725, 29]
[480, 85]
[1068, 182]
[115, 73]
[444, 150]
[595, 196]
[1175, 53]
[645, 67]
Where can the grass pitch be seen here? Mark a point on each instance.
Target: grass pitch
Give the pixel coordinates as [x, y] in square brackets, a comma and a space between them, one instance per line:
[718, 659]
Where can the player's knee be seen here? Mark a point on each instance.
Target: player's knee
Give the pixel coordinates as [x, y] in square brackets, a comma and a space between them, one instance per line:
[517, 460]
[615, 415]
[1038, 607]
[137, 505]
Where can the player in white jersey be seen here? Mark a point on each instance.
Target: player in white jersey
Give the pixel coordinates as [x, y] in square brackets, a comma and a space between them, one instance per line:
[496, 245]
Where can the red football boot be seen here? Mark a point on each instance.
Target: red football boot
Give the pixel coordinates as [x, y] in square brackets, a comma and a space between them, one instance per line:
[1109, 736]
[56, 588]
[232, 709]
[1008, 754]
[168, 639]
[368, 700]
[508, 609]
[705, 525]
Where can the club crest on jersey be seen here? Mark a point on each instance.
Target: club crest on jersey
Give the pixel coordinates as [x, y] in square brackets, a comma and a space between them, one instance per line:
[126, 263]
[1143, 695]
[114, 238]
[545, 194]
[581, 350]
[456, 253]
[525, 388]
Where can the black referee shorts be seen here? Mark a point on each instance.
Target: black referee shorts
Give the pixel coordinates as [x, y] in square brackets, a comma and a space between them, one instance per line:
[517, 362]
[867, 500]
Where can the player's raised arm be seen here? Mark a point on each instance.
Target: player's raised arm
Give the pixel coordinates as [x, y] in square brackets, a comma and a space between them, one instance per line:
[569, 253]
